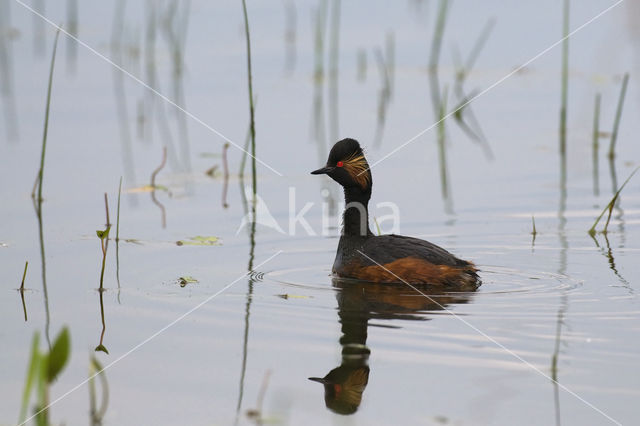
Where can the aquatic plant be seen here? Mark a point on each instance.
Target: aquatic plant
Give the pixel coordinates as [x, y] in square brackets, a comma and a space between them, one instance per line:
[118, 212]
[39, 179]
[96, 413]
[252, 125]
[104, 239]
[43, 369]
[609, 207]
[37, 201]
[118, 239]
[21, 290]
[24, 275]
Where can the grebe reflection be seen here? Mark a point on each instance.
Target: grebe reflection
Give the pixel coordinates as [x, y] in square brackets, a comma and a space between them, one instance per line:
[359, 302]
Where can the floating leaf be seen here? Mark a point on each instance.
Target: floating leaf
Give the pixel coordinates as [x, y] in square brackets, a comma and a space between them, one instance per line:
[59, 354]
[147, 188]
[199, 241]
[103, 234]
[293, 296]
[183, 281]
[212, 172]
[144, 188]
[101, 348]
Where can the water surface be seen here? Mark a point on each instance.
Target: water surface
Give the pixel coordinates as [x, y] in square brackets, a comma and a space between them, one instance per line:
[563, 305]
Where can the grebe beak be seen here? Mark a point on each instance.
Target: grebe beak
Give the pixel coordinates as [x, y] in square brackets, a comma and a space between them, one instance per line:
[322, 171]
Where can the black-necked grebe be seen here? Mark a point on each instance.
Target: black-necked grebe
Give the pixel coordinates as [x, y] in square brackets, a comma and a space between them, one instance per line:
[385, 258]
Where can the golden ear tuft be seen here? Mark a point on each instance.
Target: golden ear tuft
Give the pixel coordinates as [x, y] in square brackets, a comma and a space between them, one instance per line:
[356, 165]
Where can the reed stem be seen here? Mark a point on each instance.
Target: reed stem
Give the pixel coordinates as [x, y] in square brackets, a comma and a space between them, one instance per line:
[592, 230]
[118, 212]
[46, 122]
[24, 275]
[252, 126]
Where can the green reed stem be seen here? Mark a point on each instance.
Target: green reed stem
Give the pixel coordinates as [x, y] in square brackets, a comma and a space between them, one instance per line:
[375, 220]
[104, 241]
[24, 275]
[118, 212]
[243, 160]
[46, 122]
[610, 206]
[533, 222]
[252, 126]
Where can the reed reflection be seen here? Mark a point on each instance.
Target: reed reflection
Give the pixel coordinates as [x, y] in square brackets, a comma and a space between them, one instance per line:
[7, 82]
[118, 49]
[72, 28]
[358, 303]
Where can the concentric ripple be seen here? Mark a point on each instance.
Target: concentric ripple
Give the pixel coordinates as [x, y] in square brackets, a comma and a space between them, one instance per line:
[495, 280]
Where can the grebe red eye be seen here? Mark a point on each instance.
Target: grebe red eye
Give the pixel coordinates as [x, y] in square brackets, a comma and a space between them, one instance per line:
[339, 164]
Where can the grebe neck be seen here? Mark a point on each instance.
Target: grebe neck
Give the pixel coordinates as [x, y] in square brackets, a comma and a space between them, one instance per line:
[355, 219]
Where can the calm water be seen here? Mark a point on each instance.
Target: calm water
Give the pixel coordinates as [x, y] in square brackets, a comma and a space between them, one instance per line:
[564, 305]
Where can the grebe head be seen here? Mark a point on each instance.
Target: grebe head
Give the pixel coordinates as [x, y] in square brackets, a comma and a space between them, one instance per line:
[347, 166]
